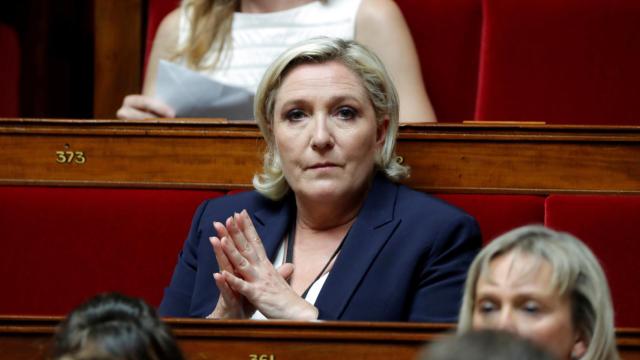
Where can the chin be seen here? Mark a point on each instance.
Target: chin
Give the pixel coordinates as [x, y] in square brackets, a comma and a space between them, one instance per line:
[322, 192]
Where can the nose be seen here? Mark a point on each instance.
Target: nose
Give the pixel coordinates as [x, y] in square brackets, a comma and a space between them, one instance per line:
[322, 136]
[506, 321]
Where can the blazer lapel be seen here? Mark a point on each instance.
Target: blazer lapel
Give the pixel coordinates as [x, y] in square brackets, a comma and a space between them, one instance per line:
[272, 223]
[368, 235]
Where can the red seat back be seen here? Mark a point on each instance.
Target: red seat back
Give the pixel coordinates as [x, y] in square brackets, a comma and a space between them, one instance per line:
[447, 37]
[560, 61]
[497, 214]
[61, 246]
[609, 226]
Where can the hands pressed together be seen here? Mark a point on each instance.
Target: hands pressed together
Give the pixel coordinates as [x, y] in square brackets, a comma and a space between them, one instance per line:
[248, 281]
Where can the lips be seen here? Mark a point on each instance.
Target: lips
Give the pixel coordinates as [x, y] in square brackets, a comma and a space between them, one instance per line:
[322, 165]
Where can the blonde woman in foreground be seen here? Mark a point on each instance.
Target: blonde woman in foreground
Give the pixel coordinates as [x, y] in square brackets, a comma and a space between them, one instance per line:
[546, 286]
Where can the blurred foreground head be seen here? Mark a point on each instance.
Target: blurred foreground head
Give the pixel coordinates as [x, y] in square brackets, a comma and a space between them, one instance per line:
[113, 326]
[484, 344]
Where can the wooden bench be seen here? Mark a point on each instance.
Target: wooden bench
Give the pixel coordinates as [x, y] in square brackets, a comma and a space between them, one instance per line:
[91, 206]
[30, 338]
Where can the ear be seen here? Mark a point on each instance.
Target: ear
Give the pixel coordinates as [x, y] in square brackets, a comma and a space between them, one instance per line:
[579, 347]
[381, 131]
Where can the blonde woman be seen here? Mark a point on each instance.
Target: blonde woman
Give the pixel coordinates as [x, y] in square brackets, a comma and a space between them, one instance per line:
[328, 232]
[546, 286]
[233, 42]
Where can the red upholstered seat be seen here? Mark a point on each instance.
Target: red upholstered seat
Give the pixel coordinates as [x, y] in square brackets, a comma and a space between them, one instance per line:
[447, 37]
[497, 214]
[9, 72]
[62, 245]
[609, 226]
[560, 61]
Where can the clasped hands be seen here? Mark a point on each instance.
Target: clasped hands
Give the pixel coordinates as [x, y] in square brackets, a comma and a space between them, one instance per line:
[247, 280]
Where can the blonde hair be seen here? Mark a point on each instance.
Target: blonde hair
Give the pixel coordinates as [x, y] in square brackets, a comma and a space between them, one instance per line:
[210, 30]
[375, 79]
[576, 273]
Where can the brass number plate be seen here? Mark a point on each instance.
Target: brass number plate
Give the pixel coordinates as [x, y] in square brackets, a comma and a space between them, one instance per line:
[262, 357]
[68, 157]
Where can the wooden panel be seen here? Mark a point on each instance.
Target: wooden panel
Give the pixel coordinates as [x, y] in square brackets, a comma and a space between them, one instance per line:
[29, 338]
[206, 153]
[118, 53]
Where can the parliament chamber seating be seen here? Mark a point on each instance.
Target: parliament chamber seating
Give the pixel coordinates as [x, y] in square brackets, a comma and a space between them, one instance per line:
[65, 244]
[560, 61]
[447, 37]
[68, 234]
[552, 61]
[115, 220]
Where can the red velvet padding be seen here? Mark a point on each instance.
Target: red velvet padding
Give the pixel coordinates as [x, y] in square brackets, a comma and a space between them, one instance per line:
[497, 214]
[609, 226]
[560, 61]
[447, 37]
[60, 246]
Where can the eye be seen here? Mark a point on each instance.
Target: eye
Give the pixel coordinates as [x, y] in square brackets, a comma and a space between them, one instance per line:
[295, 115]
[486, 306]
[531, 307]
[346, 113]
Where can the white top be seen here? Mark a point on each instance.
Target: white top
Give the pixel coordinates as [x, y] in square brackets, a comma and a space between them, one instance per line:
[314, 290]
[258, 38]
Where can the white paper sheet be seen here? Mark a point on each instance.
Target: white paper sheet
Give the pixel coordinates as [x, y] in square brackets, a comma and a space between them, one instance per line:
[191, 94]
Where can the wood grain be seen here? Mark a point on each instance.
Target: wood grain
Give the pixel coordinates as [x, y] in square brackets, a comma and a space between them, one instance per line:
[118, 51]
[209, 153]
[29, 338]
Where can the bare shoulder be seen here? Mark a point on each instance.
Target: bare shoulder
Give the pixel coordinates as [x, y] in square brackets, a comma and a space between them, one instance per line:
[165, 46]
[372, 12]
[167, 34]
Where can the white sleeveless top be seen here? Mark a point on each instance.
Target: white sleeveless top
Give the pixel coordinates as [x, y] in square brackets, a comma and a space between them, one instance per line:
[258, 38]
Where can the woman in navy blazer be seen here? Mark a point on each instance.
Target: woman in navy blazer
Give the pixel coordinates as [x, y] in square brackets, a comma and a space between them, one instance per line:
[328, 233]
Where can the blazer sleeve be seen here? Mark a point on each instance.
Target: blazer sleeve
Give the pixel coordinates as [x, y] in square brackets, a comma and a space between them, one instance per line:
[441, 280]
[177, 296]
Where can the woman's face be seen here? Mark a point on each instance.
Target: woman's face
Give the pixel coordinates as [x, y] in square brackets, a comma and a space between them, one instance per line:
[326, 132]
[515, 295]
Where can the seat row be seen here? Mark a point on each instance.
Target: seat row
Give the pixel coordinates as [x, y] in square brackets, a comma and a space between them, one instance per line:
[65, 244]
[557, 61]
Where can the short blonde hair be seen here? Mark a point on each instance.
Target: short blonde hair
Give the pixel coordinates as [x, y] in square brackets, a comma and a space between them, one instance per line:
[576, 273]
[375, 79]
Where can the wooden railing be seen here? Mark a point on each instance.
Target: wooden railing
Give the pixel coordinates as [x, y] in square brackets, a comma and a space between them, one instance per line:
[206, 153]
[30, 338]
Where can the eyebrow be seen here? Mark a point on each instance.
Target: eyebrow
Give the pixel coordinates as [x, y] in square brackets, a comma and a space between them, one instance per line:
[331, 100]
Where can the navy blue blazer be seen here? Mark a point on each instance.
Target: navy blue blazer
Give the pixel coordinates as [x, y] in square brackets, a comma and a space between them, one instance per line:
[405, 258]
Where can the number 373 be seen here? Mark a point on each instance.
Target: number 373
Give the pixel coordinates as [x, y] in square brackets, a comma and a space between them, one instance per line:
[67, 157]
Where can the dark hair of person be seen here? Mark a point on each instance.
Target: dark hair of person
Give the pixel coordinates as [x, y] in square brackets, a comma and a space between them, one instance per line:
[114, 326]
[484, 344]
